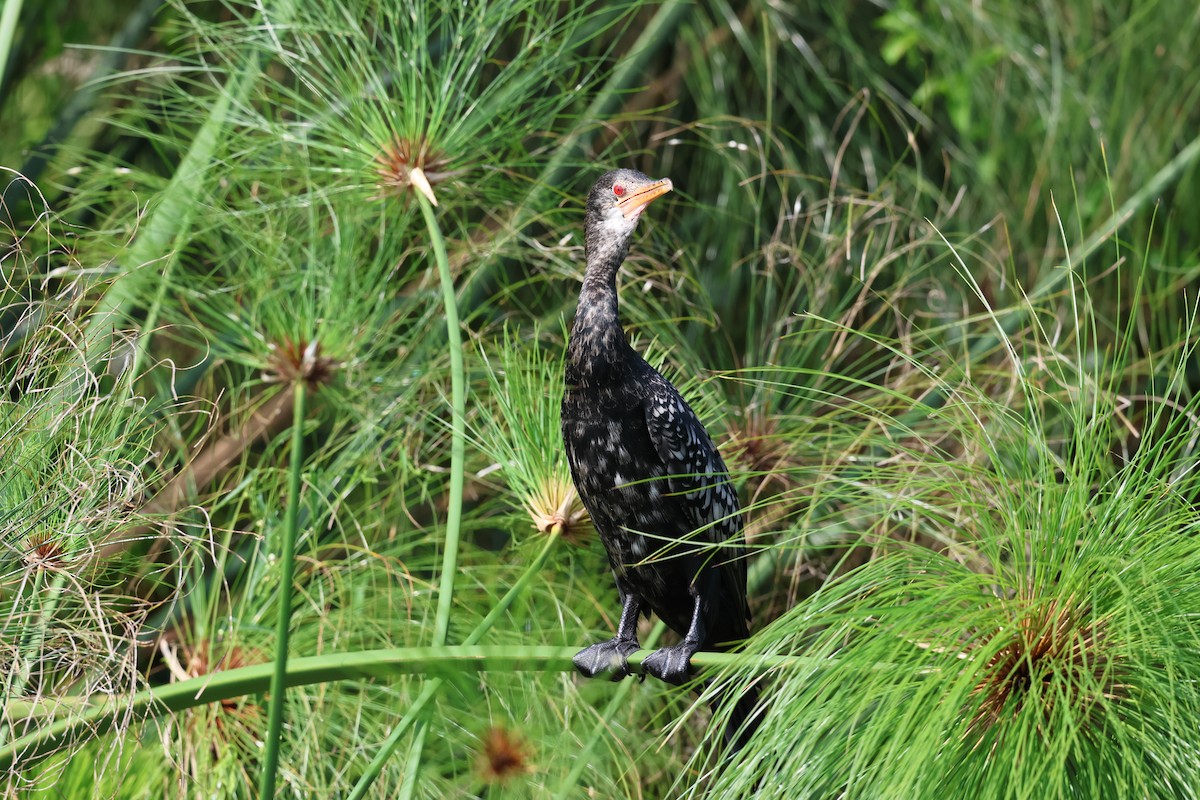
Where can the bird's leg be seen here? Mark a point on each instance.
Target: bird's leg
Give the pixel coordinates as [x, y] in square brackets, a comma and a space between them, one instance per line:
[611, 655]
[673, 664]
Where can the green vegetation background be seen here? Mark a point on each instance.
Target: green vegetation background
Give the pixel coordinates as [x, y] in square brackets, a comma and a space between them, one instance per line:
[929, 274]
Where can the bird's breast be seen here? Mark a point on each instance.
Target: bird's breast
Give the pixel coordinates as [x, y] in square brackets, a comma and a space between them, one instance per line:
[602, 434]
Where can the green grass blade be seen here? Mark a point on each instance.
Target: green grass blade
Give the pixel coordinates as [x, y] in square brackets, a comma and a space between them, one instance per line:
[8, 26]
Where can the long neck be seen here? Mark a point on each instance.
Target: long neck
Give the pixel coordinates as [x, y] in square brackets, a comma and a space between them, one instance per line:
[597, 341]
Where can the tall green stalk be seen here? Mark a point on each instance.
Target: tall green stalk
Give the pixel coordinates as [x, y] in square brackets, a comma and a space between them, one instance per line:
[287, 566]
[458, 402]
[458, 426]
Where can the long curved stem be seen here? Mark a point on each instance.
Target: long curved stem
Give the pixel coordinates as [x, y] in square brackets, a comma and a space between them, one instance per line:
[97, 715]
[458, 426]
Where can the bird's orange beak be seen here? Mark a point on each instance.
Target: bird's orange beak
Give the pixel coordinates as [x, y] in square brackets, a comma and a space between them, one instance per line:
[636, 202]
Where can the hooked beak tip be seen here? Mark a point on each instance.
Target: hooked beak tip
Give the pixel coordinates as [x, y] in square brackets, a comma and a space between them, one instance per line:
[634, 204]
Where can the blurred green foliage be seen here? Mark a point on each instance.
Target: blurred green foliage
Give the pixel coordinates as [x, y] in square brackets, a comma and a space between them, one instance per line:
[928, 275]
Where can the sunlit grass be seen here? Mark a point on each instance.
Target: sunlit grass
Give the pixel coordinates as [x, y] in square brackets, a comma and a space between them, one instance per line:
[1025, 623]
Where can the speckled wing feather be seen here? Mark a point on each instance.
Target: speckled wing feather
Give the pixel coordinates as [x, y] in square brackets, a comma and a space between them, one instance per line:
[696, 472]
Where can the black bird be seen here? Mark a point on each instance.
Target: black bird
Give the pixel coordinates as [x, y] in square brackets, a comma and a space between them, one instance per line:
[647, 471]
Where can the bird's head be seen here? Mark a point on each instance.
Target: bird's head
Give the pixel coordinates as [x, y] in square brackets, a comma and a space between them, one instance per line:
[618, 199]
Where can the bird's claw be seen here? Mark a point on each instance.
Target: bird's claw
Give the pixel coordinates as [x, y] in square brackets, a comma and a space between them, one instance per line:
[671, 664]
[603, 657]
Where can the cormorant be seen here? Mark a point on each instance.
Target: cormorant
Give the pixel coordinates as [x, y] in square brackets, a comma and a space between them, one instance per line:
[649, 475]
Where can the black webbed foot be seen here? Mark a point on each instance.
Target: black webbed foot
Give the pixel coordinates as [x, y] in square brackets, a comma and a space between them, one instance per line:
[672, 664]
[604, 657]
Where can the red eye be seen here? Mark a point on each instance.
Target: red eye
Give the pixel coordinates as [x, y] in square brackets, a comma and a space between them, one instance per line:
[618, 190]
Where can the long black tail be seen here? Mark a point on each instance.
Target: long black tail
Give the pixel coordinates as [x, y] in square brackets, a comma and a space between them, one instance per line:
[744, 718]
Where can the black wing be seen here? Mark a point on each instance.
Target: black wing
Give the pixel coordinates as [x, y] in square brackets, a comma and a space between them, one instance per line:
[694, 469]
[698, 476]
